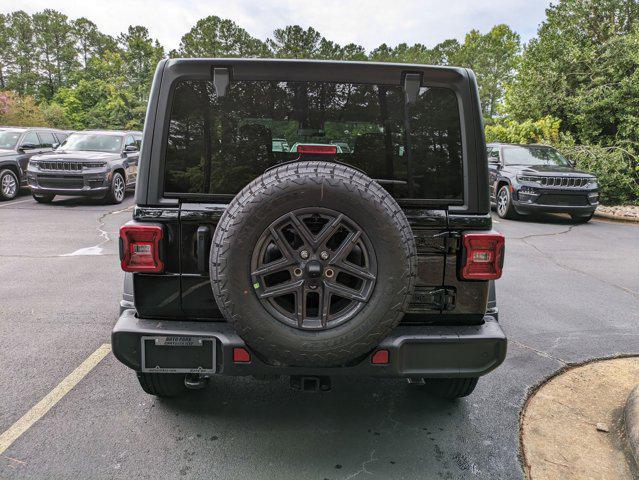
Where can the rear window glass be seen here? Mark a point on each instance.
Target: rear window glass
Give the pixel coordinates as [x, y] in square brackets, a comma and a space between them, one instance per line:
[216, 145]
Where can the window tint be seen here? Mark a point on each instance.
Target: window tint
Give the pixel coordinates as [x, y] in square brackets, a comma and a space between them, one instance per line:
[31, 138]
[138, 141]
[129, 140]
[61, 137]
[46, 139]
[218, 145]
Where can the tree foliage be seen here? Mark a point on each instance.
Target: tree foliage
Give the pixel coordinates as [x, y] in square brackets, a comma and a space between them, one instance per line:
[575, 85]
[583, 68]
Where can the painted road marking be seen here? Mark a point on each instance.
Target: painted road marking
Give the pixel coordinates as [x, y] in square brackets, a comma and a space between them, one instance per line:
[53, 397]
[14, 203]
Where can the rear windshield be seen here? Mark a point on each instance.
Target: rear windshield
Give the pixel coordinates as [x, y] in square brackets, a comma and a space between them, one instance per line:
[216, 145]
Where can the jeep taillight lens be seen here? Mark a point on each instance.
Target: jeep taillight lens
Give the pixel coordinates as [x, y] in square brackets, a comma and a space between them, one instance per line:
[483, 256]
[140, 248]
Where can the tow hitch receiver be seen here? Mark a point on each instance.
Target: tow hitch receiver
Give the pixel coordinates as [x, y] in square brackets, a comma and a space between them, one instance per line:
[311, 383]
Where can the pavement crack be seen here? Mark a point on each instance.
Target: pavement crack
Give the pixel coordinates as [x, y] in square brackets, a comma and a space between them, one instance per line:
[569, 268]
[541, 353]
[363, 468]
[98, 248]
[525, 237]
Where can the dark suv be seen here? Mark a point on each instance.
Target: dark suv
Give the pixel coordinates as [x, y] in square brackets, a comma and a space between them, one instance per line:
[17, 146]
[98, 164]
[527, 179]
[244, 259]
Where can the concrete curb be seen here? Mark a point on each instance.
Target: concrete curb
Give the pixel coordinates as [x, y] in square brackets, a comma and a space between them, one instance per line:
[619, 218]
[631, 419]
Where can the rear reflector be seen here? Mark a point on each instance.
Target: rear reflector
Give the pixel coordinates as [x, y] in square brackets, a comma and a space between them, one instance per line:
[241, 355]
[483, 256]
[317, 149]
[380, 357]
[140, 248]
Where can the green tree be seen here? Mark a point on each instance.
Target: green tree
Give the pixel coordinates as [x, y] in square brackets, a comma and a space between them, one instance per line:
[583, 68]
[22, 75]
[213, 36]
[492, 56]
[55, 50]
[141, 55]
[90, 41]
[295, 42]
[4, 48]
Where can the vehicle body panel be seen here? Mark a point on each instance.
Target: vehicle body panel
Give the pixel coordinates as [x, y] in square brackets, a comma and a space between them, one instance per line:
[179, 301]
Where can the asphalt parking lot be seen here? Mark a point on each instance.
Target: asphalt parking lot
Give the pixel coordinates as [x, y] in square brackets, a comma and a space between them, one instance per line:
[569, 293]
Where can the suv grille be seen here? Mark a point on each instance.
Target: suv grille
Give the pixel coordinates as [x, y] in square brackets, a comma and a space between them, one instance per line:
[569, 200]
[570, 182]
[61, 166]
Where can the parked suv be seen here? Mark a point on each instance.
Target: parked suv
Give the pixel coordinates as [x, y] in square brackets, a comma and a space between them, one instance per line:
[98, 164]
[17, 146]
[525, 179]
[242, 259]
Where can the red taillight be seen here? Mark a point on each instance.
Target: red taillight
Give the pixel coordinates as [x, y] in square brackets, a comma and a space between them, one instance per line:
[140, 248]
[380, 357]
[317, 149]
[483, 256]
[241, 355]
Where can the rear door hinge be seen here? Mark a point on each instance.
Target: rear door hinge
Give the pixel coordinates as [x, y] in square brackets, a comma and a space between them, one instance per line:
[451, 241]
[425, 298]
[444, 298]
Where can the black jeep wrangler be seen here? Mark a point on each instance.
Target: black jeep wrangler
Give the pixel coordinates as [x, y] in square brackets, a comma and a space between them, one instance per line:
[376, 258]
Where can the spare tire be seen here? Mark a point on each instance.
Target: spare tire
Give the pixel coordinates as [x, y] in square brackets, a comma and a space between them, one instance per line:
[313, 263]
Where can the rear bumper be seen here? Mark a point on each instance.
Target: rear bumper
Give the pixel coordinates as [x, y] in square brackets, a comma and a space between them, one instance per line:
[415, 351]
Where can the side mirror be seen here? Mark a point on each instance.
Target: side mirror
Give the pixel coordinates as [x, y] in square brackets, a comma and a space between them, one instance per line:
[130, 148]
[28, 146]
[55, 145]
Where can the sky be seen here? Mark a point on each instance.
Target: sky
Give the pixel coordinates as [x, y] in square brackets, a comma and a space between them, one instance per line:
[365, 22]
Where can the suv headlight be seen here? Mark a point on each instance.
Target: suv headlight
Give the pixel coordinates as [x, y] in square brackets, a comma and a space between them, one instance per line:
[527, 178]
[93, 164]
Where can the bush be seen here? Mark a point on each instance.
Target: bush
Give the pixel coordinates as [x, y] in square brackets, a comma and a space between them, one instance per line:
[617, 169]
[544, 130]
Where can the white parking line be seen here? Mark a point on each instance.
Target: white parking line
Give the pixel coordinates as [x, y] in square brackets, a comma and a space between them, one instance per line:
[14, 203]
[53, 397]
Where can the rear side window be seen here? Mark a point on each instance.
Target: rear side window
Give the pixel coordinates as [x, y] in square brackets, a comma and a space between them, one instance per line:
[31, 138]
[216, 145]
[46, 139]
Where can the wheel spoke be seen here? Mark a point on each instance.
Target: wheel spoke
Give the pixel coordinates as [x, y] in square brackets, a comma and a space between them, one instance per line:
[354, 270]
[281, 289]
[345, 247]
[273, 267]
[306, 236]
[345, 292]
[329, 230]
[285, 248]
[324, 306]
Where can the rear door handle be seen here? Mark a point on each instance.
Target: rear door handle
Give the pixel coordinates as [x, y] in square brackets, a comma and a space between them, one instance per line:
[203, 248]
